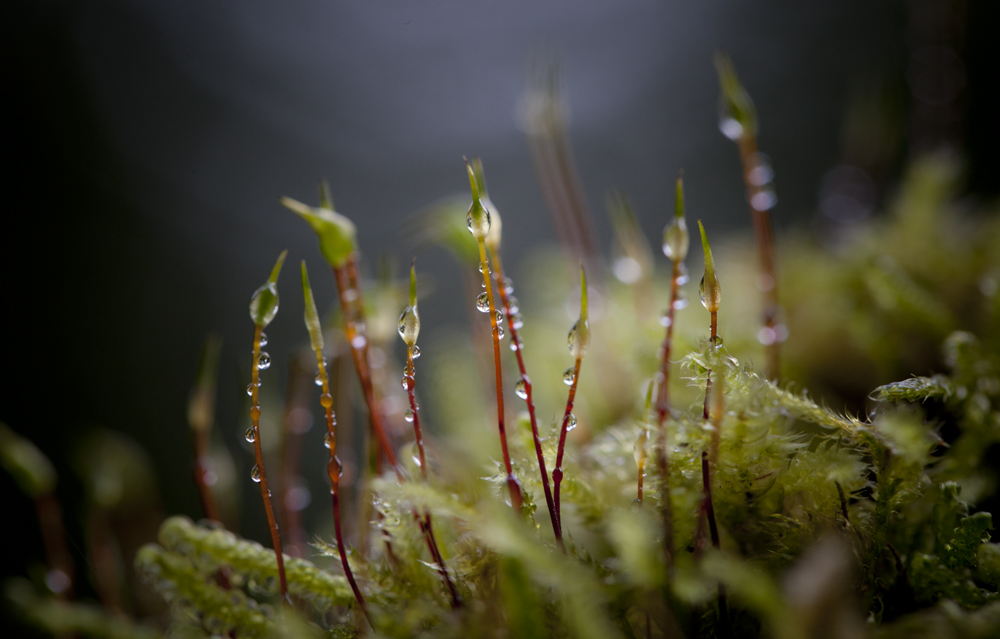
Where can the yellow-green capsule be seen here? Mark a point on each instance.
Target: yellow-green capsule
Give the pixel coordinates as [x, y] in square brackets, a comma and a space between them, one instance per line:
[311, 314]
[737, 115]
[675, 235]
[710, 290]
[264, 303]
[496, 225]
[337, 234]
[409, 320]
[579, 335]
[478, 217]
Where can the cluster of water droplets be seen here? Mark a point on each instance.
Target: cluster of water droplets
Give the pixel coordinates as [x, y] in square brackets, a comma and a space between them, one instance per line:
[761, 177]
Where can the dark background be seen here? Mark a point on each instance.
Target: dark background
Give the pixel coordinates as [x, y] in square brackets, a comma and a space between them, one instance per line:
[147, 145]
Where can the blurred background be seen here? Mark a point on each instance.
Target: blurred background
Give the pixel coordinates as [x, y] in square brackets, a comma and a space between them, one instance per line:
[148, 144]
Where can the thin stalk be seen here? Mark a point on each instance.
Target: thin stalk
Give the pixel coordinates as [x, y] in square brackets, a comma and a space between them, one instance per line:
[516, 339]
[708, 381]
[662, 410]
[640, 463]
[265, 494]
[424, 521]
[50, 520]
[296, 397]
[201, 412]
[101, 556]
[351, 305]
[333, 470]
[557, 473]
[202, 471]
[512, 484]
[763, 232]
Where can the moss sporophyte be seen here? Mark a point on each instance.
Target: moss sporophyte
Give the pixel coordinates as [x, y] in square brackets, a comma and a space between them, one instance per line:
[752, 510]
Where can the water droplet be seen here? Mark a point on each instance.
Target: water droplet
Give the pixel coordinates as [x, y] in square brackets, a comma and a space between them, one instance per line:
[569, 376]
[263, 339]
[571, 422]
[409, 325]
[627, 269]
[728, 124]
[483, 302]
[499, 316]
[407, 382]
[349, 295]
[480, 268]
[482, 284]
[761, 173]
[478, 224]
[764, 200]
[680, 303]
[415, 351]
[521, 389]
[500, 332]
[250, 390]
[513, 305]
[408, 415]
[318, 380]
[327, 440]
[507, 285]
[255, 474]
[516, 321]
[665, 321]
[250, 435]
[579, 339]
[326, 400]
[710, 299]
[636, 505]
[767, 336]
[264, 361]
[358, 342]
[683, 277]
[676, 240]
[416, 460]
[514, 344]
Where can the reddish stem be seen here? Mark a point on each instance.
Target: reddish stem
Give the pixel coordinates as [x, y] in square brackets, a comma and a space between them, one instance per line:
[764, 235]
[202, 469]
[662, 410]
[425, 522]
[557, 473]
[296, 396]
[512, 484]
[265, 494]
[333, 469]
[516, 339]
[708, 380]
[50, 521]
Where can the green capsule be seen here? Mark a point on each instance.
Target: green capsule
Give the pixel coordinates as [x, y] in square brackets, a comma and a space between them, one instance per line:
[311, 314]
[496, 226]
[337, 234]
[737, 115]
[675, 235]
[31, 469]
[710, 290]
[409, 320]
[264, 303]
[579, 336]
[478, 217]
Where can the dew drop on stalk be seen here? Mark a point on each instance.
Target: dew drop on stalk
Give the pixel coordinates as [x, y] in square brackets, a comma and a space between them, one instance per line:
[521, 388]
[480, 268]
[516, 320]
[507, 285]
[571, 422]
[514, 344]
[327, 440]
[483, 302]
[761, 173]
[569, 376]
[318, 380]
[513, 305]
[676, 240]
[500, 332]
[255, 474]
[579, 338]
[407, 382]
[764, 200]
[665, 321]
[408, 415]
[250, 390]
[263, 339]
[499, 316]
[415, 351]
[264, 361]
[729, 125]
[250, 435]
[416, 460]
[682, 276]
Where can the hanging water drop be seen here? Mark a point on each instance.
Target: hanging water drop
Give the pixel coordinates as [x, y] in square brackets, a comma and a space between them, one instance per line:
[507, 285]
[579, 338]
[255, 474]
[665, 321]
[516, 321]
[499, 317]
[569, 376]
[407, 382]
[414, 351]
[728, 124]
[318, 380]
[408, 415]
[483, 302]
[416, 460]
[250, 435]
[676, 240]
[513, 305]
[500, 332]
[264, 361]
[514, 344]
[570, 422]
[263, 339]
[250, 390]
[327, 440]
[521, 388]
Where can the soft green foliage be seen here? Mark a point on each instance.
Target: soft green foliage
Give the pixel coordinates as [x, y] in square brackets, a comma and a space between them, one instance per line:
[829, 524]
[337, 234]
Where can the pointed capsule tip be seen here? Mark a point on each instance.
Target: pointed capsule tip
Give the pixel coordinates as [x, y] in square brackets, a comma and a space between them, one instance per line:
[413, 282]
[679, 203]
[277, 267]
[583, 292]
